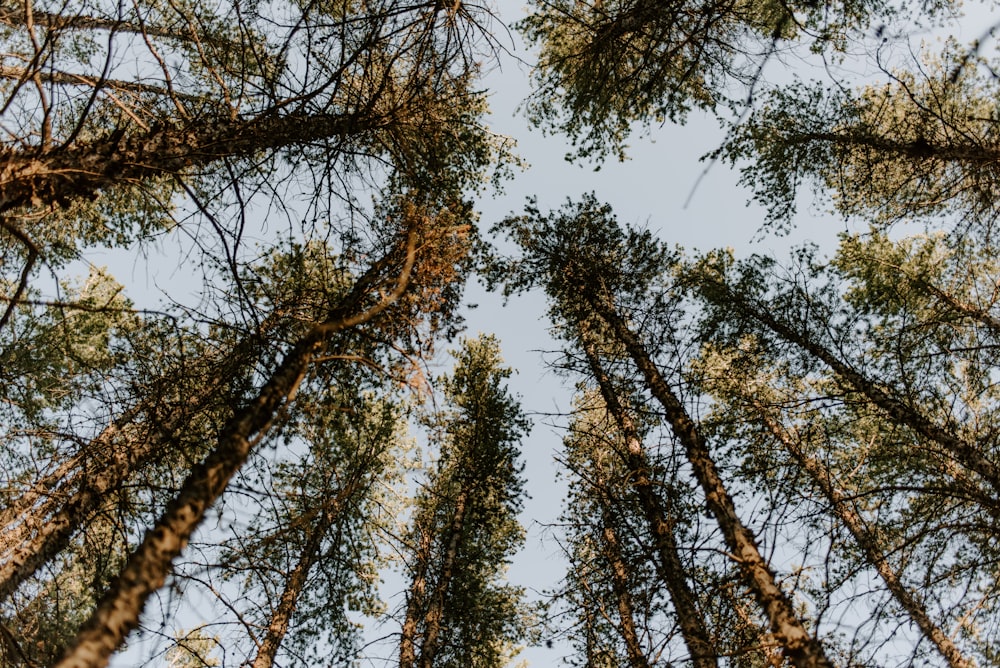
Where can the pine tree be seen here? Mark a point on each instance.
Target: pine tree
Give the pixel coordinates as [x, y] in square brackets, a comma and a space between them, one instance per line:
[464, 527]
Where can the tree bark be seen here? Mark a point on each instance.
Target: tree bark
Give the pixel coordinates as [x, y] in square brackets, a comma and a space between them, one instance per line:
[59, 175]
[968, 454]
[415, 602]
[620, 583]
[104, 465]
[869, 544]
[669, 566]
[435, 613]
[801, 648]
[147, 568]
[277, 627]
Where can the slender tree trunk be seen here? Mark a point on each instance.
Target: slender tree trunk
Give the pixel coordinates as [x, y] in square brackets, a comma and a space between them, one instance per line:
[415, 602]
[968, 454]
[147, 568]
[325, 518]
[435, 613]
[869, 544]
[623, 598]
[45, 529]
[278, 625]
[669, 566]
[801, 648]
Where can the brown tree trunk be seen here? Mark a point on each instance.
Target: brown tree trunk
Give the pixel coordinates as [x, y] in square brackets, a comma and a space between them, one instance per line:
[60, 175]
[623, 598]
[669, 565]
[44, 529]
[415, 603]
[803, 650]
[869, 544]
[277, 628]
[435, 613]
[147, 568]
[968, 454]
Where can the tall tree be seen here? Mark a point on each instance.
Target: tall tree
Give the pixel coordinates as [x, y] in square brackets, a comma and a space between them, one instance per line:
[593, 270]
[881, 398]
[464, 527]
[613, 594]
[605, 65]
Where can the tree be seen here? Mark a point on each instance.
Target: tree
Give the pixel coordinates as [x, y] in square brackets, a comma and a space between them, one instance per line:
[920, 145]
[605, 65]
[887, 426]
[464, 527]
[613, 591]
[322, 544]
[590, 269]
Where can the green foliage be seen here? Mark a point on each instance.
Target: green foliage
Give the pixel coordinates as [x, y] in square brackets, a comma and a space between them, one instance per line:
[921, 146]
[607, 66]
[465, 529]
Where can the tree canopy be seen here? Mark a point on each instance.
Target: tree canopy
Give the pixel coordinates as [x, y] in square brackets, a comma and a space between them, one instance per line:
[767, 460]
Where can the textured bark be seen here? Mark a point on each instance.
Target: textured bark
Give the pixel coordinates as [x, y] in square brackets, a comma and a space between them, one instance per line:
[415, 602]
[326, 517]
[966, 453]
[669, 565]
[623, 598]
[869, 544]
[46, 529]
[277, 627]
[59, 175]
[801, 648]
[60, 504]
[147, 568]
[435, 612]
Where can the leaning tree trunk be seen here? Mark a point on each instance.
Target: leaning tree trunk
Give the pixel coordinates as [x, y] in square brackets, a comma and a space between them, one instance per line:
[967, 453]
[611, 549]
[277, 627]
[669, 565]
[801, 648]
[148, 566]
[144, 434]
[869, 544]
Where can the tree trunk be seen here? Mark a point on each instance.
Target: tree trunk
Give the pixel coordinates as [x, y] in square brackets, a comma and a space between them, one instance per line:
[968, 454]
[415, 602]
[147, 568]
[104, 465]
[869, 544]
[669, 565]
[435, 613]
[46, 177]
[619, 574]
[803, 650]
